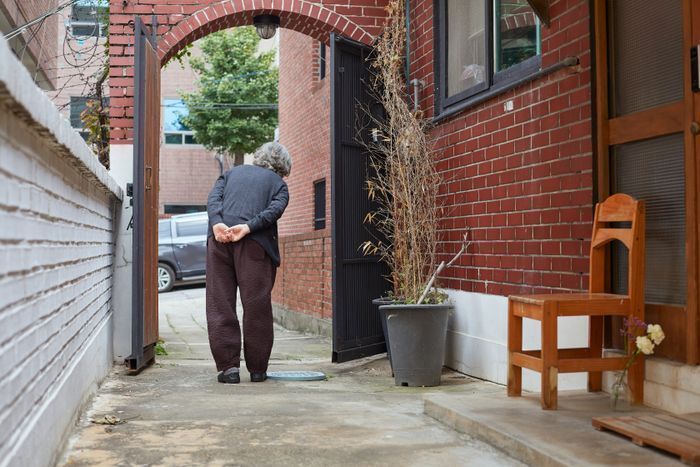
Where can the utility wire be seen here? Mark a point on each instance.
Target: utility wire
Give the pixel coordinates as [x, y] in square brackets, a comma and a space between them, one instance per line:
[17, 31]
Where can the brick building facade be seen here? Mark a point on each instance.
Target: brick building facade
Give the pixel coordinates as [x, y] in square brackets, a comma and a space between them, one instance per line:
[187, 170]
[304, 280]
[529, 132]
[37, 47]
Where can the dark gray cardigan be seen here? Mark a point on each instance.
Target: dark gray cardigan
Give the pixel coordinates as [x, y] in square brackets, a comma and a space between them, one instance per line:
[248, 194]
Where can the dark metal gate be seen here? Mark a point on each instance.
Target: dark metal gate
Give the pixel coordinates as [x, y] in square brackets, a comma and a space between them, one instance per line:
[145, 195]
[357, 279]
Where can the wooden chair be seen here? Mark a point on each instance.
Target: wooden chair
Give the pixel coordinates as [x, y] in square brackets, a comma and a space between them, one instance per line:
[550, 361]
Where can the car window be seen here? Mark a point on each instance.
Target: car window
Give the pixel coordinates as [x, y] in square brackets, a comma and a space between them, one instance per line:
[187, 228]
[163, 230]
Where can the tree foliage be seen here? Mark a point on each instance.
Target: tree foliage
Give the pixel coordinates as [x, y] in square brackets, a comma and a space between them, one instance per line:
[232, 75]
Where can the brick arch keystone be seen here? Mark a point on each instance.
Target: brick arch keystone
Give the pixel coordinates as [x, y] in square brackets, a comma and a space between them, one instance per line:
[182, 22]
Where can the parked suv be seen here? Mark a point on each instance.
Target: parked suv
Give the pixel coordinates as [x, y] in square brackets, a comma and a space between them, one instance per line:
[182, 248]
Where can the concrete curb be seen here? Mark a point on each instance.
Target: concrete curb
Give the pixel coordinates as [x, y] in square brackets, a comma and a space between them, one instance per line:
[565, 437]
[462, 422]
[300, 322]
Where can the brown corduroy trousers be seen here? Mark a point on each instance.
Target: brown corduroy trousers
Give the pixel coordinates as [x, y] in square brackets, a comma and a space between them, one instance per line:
[246, 266]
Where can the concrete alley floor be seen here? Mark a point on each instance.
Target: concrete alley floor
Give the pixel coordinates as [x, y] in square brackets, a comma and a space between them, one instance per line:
[177, 414]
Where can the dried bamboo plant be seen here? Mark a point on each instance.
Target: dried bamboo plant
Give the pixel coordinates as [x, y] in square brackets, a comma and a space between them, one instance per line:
[403, 181]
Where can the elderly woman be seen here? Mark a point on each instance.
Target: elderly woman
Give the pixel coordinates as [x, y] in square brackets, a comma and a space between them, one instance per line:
[242, 253]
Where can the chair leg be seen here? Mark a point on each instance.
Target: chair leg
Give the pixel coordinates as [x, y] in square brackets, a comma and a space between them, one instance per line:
[595, 350]
[635, 380]
[515, 344]
[550, 359]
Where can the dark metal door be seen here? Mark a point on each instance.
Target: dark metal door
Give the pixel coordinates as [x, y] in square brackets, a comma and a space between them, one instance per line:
[145, 191]
[357, 279]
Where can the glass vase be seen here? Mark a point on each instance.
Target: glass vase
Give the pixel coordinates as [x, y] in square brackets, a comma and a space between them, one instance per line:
[620, 396]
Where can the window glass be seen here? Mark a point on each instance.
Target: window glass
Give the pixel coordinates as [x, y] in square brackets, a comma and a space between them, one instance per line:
[164, 229]
[320, 204]
[190, 139]
[187, 228]
[516, 35]
[89, 18]
[482, 44]
[466, 45]
[321, 60]
[78, 104]
[174, 110]
[184, 208]
[173, 138]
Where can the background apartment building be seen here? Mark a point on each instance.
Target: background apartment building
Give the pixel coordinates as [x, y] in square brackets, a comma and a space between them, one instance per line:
[36, 44]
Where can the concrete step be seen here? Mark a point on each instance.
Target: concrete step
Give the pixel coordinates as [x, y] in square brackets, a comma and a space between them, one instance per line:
[564, 437]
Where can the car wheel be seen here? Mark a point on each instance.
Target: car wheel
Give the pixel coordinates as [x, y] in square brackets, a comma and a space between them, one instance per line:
[166, 277]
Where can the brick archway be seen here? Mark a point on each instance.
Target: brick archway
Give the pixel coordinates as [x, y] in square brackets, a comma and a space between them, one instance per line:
[182, 22]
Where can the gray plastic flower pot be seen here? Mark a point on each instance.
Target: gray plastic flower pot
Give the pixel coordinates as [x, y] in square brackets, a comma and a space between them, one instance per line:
[378, 302]
[417, 335]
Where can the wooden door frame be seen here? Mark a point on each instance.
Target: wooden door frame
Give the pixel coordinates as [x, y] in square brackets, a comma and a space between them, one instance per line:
[652, 123]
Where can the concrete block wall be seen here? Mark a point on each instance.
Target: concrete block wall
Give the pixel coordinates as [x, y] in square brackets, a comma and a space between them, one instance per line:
[57, 228]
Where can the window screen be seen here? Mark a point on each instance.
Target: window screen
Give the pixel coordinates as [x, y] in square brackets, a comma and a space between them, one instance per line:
[653, 170]
[320, 204]
[646, 54]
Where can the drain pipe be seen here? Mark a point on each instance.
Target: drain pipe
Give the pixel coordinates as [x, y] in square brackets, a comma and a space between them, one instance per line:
[408, 39]
[417, 84]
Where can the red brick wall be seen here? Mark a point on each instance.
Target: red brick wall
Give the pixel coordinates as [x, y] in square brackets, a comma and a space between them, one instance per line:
[521, 180]
[304, 279]
[304, 116]
[184, 21]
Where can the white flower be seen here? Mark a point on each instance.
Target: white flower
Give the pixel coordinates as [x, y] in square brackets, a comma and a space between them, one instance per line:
[645, 345]
[655, 333]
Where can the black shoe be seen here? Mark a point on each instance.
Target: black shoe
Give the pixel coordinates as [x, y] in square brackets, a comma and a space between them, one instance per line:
[258, 377]
[231, 378]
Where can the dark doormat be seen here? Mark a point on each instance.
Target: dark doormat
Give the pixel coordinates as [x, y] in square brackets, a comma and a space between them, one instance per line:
[671, 433]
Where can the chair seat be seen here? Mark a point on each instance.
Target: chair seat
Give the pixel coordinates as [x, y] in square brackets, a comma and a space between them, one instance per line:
[573, 304]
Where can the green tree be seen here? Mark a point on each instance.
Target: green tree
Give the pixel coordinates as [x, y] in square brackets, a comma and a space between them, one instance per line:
[234, 79]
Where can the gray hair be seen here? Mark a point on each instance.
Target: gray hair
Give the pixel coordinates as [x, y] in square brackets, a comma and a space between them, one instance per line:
[275, 157]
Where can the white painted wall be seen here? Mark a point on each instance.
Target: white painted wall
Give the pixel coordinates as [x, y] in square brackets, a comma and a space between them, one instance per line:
[121, 169]
[57, 211]
[477, 338]
[477, 346]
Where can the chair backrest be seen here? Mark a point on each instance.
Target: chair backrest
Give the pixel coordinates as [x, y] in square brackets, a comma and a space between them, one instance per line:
[619, 208]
